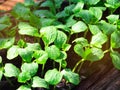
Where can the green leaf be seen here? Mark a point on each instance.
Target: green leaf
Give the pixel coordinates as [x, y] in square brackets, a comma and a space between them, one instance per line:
[91, 2]
[24, 87]
[115, 59]
[29, 2]
[66, 47]
[79, 6]
[26, 29]
[12, 52]
[62, 14]
[6, 43]
[64, 63]
[68, 9]
[35, 21]
[33, 46]
[53, 77]
[43, 14]
[24, 77]
[40, 56]
[53, 52]
[21, 43]
[11, 70]
[118, 24]
[1, 74]
[0, 59]
[58, 3]
[31, 68]
[48, 34]
[61, 39]
[98, 40]
[70, 21]
[63, 56]
[82, 41]
[63, 27]
[94, 29]
[4, 22]
[114, 4]
[71, 76]
[47, 22]
[107, 28]
[20, 11]
[78, 48]
[25, 54]
[97, 12]
[39, 82]
[115, 39]
[95, 54]
[86, 16]
[79, 27]
[50, 4]
[112, 18]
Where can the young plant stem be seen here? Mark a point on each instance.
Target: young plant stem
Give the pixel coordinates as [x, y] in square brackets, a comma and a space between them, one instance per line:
[80, 66]
[43, 67]
[69, 36]
[59, 66]
[9, 81]
[77, 64]
[106, 51]
[85, 34]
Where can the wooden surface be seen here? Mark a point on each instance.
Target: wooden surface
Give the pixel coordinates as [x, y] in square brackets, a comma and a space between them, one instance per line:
[9, 4]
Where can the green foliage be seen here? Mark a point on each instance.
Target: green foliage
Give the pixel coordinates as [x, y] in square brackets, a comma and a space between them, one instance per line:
[26, 29]
[48, 34]
[116, 59]
[45, 31]
[53, 77]
[11, 70]
[70, 76]
[39, 82]
[24, 87]
[4, 22]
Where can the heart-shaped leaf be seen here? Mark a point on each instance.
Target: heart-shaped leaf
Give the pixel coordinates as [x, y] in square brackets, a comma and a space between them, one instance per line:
[79, 27]
[115, 39]
[53, 77]
[115, 59]
[41, 56]
[6, 43]
[98, 40]
[60, 39]
[48, 34]
[39, 82]
[53, 52]
[25, 54]
[94, 54]
[31, 68]
[24, 77]
[12, 52]
[24, 87]
[26, 29]
[11, 70]
[71, 76]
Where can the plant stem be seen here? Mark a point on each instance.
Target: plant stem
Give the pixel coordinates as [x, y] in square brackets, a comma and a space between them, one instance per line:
[85, 34]
[69, 36]
[77, 64]
[59, 66]
[43, 66]
[9, 81]
[80, 67]
[106, 51]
